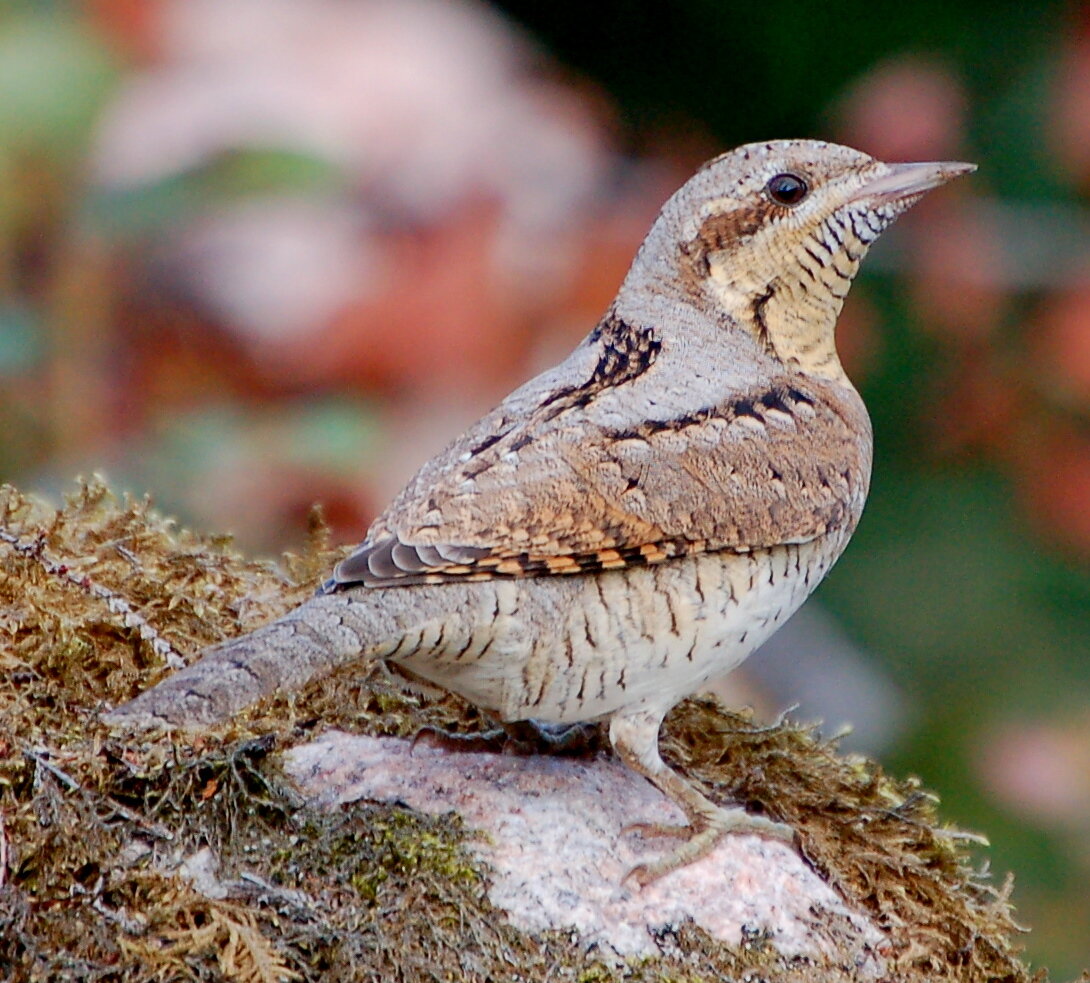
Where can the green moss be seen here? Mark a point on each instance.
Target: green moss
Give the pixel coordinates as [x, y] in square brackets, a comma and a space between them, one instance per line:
[403, 844]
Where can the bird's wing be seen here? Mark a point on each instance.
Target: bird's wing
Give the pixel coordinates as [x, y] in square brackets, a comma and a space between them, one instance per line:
[552, 490]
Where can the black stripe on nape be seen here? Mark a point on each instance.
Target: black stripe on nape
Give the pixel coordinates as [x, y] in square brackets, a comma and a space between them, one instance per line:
[627, 352]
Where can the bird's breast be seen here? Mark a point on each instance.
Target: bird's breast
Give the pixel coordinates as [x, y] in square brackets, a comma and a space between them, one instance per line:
[580, 648]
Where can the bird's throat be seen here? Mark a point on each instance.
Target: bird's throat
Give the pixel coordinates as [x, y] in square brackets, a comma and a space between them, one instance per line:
[792, 318]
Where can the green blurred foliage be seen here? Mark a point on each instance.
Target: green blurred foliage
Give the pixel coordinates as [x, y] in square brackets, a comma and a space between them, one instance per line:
[756, 71]
[230, 177]
[53, 77]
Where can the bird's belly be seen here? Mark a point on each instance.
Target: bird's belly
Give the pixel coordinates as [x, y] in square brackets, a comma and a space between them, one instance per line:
[578, 648]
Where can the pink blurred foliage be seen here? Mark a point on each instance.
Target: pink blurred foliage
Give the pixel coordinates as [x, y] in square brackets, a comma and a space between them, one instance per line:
[1040, 770]
[956, 284]
[468, 177]
[979, 408]
[262, 491]
[909, 107]
[913, 108]
[1068, 122]
[1052, 480]
[435, 315]
[132, 25]
[857, 337]
[1060, 341]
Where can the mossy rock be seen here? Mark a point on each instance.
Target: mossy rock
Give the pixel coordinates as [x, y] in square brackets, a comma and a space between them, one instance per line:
[99, 599]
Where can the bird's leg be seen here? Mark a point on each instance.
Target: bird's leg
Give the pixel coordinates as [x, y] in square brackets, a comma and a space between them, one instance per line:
[635, 737]
[523, 737]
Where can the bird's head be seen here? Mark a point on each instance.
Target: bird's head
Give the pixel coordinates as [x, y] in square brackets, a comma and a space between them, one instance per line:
[771, 235]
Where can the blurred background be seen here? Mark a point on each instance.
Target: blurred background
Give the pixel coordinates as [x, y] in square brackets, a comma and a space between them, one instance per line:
[260, 253]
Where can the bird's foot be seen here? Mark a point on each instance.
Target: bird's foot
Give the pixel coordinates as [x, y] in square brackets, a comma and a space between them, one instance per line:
[485, 741]
[538, 737]
[658, 829]
[702, 836]
[521, 737]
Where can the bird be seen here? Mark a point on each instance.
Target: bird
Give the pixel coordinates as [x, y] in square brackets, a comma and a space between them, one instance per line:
[635, 521]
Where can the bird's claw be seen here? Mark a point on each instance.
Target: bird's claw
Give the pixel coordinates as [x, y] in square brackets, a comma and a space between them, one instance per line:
[657, 829]
[701, 838]
[489, 740]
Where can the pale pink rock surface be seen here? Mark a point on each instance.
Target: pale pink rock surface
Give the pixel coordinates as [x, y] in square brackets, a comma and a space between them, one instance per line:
[553, 840]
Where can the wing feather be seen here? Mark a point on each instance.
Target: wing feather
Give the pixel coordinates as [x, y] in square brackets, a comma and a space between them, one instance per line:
[564, 490]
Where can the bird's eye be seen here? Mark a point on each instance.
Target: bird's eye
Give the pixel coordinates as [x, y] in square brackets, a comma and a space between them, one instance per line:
[787, 189]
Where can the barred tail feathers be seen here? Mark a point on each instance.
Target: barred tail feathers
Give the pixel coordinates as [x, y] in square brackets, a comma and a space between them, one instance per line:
[310, 641]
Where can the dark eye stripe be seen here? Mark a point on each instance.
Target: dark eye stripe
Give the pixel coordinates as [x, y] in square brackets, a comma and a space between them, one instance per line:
[787, 189]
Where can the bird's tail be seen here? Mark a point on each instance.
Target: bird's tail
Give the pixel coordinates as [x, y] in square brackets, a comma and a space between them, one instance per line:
[311, 640]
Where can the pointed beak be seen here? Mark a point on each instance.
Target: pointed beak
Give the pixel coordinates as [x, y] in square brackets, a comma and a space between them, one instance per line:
[905, 181]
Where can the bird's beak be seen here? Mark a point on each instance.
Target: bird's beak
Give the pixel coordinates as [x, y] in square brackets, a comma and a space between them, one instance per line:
[901, 181]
